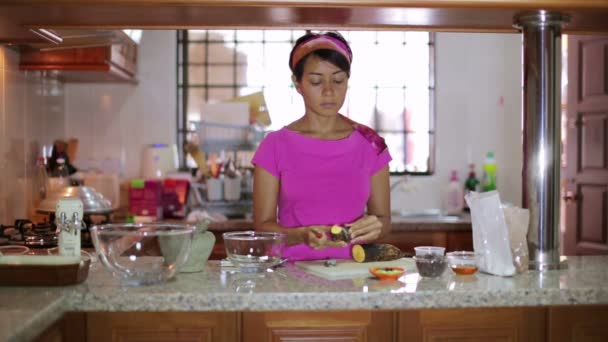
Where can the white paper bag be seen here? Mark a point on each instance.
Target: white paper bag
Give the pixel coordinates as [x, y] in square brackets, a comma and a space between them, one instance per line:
[490, 233]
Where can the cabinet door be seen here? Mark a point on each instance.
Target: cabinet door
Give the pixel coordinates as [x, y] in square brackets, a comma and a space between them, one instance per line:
[318, 326]
[163, 326]
[579, 323]
[407, 240]
[460, 241]
[70, 328]
[473, 325]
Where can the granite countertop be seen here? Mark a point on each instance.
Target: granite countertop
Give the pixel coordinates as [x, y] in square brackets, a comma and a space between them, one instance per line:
[26, 311]
[398, 224]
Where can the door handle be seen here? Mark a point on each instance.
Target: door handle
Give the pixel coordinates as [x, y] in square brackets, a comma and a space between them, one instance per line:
[570, 197]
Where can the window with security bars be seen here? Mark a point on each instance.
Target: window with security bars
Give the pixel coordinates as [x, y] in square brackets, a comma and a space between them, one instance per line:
[391, 88]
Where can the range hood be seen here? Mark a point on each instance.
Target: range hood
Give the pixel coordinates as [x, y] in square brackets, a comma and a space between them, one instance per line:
[57, 39]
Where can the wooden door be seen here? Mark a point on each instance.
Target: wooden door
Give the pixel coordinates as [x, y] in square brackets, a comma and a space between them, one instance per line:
[585, 190]
[326, 326]
[163, 326]
[578, 324]
[472, 325]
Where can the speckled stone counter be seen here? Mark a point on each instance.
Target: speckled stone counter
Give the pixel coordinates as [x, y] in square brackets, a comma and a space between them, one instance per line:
[26, 312]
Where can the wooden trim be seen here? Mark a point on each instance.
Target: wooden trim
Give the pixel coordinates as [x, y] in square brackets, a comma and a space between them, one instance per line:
[507, 4]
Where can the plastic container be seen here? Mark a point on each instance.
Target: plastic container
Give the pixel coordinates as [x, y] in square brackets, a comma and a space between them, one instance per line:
[425, 250]
[454, 198]
[488, 182]
[430, 265]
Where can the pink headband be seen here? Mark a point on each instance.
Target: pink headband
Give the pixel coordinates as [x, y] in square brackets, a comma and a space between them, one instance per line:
[317, 43]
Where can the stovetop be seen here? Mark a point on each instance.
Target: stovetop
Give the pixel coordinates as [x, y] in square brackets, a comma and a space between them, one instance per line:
[30, 234]
[38, 235]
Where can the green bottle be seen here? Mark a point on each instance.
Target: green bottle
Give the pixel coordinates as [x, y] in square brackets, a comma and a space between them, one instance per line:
[488, 182]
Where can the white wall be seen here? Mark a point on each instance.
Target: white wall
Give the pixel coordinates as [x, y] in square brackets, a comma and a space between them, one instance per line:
[478, 109]
[114, 121]
[31, 115]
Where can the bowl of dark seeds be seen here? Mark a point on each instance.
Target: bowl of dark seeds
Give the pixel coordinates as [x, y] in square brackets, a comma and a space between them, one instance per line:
[430, 265]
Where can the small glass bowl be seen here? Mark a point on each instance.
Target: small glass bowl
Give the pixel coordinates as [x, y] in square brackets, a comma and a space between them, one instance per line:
[430, 265]
[424, 250]
[253, 251]
[463, 262]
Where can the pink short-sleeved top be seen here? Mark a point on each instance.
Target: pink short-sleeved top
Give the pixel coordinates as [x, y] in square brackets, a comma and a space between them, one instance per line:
[322, 182]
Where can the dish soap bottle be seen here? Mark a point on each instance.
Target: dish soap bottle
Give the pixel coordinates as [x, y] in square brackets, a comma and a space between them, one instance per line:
[488, 182]
[453, 195]
[470, 184]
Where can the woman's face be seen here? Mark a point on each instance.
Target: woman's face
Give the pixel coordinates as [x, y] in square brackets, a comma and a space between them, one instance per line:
[323, 86]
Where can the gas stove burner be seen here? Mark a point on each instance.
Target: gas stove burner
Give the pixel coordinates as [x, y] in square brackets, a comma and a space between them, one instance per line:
[40, 239]
[27, 233]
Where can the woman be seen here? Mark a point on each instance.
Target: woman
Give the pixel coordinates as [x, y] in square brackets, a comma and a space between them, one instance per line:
[322, 169]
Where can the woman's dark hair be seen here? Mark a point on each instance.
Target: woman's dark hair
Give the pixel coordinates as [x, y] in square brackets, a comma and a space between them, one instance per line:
[328, 55]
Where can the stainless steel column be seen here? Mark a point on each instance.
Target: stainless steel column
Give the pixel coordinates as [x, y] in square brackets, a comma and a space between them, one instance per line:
[541, 144]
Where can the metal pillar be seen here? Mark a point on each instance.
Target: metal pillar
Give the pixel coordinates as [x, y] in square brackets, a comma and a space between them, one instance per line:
[542, 134]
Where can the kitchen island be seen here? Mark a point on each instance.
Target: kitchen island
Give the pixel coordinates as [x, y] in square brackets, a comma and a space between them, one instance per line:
[243, 304]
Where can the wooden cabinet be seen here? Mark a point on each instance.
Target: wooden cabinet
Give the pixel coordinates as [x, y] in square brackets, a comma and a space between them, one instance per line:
[473, 325]
[578, 324]
[319, 326]
[163, 326]
[112, 63]
[70, 328]
[552, 324]
[451, 240]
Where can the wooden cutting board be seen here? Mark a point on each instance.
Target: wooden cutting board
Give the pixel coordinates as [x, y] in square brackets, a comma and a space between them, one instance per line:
[348, 269]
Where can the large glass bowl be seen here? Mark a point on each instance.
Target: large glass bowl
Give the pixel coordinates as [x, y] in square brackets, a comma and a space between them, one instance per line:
[253, 251]
[142, 253]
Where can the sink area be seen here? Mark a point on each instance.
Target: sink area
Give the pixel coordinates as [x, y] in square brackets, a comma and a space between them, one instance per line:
[434, 215]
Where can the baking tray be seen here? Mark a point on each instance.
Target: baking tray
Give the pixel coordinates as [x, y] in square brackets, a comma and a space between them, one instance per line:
[43, 270]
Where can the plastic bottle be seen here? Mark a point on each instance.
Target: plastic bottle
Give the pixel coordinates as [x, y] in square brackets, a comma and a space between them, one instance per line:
[488, 182]
[59, 177]
[471, 184]
[453, 195]
[62, 172]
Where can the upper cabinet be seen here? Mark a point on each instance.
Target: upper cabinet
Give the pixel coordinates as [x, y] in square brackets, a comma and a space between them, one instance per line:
[101, 57]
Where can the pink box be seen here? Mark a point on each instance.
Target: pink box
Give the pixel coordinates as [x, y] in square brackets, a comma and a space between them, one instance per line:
[145, 198]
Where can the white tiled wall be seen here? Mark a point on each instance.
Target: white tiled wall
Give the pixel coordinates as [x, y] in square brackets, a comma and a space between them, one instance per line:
[31, 115]
[478, 109]
[114, 121]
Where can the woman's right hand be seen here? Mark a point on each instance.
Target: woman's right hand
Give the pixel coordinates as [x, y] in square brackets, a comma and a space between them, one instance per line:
[317, 237]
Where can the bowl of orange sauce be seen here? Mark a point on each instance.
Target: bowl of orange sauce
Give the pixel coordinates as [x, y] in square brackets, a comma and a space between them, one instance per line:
[463, 262]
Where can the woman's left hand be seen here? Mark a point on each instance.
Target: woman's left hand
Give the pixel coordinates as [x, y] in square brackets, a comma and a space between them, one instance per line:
[366, 229]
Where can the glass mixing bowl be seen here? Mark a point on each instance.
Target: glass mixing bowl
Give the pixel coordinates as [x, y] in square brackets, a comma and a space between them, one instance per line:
[253, 251]
[142, 253]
